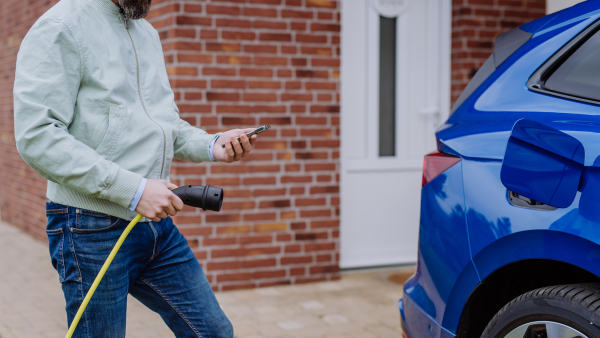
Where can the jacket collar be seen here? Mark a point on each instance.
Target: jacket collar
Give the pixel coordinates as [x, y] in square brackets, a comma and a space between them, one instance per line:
[107, 5]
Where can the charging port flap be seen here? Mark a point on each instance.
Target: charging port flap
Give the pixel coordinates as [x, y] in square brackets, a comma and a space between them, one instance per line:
[542, 164]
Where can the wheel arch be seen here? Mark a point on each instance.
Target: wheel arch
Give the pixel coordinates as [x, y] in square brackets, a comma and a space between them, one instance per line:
[521, 262]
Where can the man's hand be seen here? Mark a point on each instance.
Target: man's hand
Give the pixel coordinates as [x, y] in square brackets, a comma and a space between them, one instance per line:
[238, 150]
[158, 201]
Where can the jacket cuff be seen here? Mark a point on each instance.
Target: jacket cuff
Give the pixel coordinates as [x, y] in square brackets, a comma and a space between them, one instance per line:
[198, 147]
[123, 188]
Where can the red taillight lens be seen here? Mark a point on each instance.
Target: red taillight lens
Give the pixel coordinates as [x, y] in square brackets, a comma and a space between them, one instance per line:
[436, 163]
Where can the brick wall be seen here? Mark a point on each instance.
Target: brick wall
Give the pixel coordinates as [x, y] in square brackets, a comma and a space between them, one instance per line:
[231, 64]
[248, 63]
[475, 25]
[22, 190]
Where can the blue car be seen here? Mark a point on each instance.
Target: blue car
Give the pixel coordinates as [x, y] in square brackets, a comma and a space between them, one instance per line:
[509, 242]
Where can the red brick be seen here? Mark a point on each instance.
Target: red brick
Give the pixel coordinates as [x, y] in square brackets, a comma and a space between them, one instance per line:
[237, 35]
[258, 263]
[207, 71]
[270, 24]
[270, 61]
[181, 33]
[311, 38]
[226, 10]
[296, 97]
[256, 72]
[256, 239]
[259, 11]
[196, 58]
[324, 269]
[309, 247]
[324, 224]
[223, 47]
[275, 204]
[189, 8]
[229, 84]
[268, 274]
[196, 231]
[289, 13]
[260, 49]
[316, 50]
[321, 3]
[266, 2]
[229, 287]
[220, 218]
[218, 96]
[209, 34]
[234, 60]
[298, 26]
[264, 84]
[228, 22]
[320, 27]
[219, 241]
[312, 73]
[260, 97]
[296, 179]
[324, 109]
[238, 121]
[275, 37]
[259, 180]
[193, 71]
[182, 83]
[296, 260]
[193, 20]
[228, 265]
[302, 202]
[260, 216]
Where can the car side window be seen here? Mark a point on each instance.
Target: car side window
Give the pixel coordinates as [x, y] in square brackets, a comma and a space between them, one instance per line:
[579, 75]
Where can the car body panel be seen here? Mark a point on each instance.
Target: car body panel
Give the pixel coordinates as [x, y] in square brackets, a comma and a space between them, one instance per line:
[462, 242]
[443, 243]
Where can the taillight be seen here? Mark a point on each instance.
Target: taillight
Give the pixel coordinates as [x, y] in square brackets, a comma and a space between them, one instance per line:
[436, 163]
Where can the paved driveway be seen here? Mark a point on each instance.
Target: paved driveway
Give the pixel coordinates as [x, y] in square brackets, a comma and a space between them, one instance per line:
[361, 304]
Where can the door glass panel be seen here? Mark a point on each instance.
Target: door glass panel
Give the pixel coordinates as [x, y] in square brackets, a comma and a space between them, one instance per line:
[387, 86]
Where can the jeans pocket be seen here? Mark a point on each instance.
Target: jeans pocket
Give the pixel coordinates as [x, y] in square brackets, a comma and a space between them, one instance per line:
[88, 221]
[56, 243]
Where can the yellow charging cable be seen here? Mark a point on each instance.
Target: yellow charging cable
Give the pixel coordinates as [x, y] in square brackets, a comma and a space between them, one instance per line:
[109, 260]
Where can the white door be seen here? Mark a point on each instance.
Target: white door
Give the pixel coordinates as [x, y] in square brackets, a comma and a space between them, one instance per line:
[395, 91]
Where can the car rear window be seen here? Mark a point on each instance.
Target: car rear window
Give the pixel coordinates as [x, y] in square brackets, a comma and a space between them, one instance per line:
[579, 75]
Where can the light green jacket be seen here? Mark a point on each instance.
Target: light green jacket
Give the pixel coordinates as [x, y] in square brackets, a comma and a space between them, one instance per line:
[94, 111]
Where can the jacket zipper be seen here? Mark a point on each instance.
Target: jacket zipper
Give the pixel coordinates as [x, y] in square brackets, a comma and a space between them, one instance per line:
[137, 66]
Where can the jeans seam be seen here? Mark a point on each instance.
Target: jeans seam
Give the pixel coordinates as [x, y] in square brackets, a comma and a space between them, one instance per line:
[166, 299]
[155, 233]
[62, 257]
[76, 262]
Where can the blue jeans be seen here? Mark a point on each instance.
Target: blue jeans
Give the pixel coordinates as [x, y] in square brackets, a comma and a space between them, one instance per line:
[155, 265]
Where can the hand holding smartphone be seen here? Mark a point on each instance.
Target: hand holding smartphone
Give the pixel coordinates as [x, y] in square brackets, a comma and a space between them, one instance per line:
[254, 132]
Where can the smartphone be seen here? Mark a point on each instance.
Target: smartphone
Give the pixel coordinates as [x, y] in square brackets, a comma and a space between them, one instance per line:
[254, 132]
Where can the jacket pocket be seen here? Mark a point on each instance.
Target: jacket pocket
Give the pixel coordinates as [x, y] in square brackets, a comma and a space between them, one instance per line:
[88, 221]
[116, 120]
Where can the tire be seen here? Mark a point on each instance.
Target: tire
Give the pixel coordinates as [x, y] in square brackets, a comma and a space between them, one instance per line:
[553, 312]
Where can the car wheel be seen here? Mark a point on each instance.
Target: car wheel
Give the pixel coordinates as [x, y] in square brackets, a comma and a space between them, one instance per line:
[563, 311]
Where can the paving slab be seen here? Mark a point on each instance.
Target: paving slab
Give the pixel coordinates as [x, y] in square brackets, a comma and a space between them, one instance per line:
[362, 304]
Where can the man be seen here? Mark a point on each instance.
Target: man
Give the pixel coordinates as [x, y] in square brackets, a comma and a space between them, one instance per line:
[95, 115]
